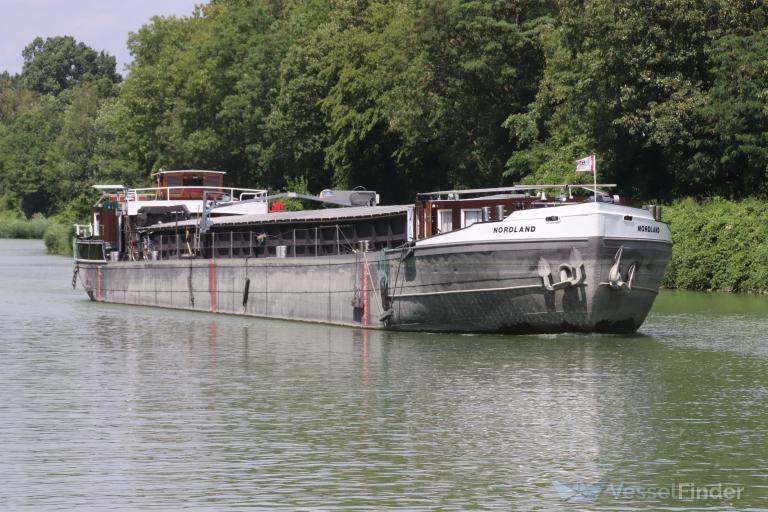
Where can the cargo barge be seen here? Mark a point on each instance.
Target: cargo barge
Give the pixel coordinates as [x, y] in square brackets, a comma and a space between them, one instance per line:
[504, 260]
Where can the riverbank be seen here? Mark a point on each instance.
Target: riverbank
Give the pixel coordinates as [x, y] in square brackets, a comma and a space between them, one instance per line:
[57, 236]
[718, 245]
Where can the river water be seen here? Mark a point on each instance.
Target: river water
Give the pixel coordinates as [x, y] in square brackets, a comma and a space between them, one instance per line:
[119, 407]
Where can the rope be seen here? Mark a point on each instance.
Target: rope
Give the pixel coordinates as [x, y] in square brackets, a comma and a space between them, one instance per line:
[373, 285]
[476, 290]
[349, 244]
[393, 292]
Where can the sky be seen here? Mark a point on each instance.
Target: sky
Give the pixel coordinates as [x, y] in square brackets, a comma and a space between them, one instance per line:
[101, 24]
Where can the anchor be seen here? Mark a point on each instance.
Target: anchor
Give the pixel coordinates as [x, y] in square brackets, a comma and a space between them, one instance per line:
[615, 279]
[571, 273]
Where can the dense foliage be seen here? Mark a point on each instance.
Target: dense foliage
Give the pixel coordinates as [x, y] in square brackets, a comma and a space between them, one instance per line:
[400, 96]
[719, 245]
[23, 228]
[57, 236]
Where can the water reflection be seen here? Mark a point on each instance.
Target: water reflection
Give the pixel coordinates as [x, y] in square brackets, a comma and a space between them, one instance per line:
[128, 407]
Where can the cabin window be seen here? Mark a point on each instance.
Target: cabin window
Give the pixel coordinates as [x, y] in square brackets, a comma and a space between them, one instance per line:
[444, 220]
[213, 180]
[89, 251]
[193, 181]
[471, 215]
[172, 181]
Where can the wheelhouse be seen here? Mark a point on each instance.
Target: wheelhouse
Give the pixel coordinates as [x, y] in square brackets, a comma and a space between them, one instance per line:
[189, 184]
[443, 211]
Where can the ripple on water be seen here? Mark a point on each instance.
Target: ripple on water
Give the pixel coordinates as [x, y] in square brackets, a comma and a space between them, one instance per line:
[119, 407]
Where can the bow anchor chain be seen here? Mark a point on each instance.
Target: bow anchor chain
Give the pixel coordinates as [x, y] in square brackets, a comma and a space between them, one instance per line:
[570, 274]
[74, 276]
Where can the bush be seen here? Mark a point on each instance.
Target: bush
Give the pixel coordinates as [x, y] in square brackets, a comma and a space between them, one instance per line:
[58, 239]
[24, 228]
[57, 236]
[57, 233]
[718, 245]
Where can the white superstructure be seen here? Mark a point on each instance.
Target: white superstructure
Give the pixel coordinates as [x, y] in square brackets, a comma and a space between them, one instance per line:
[573, 221]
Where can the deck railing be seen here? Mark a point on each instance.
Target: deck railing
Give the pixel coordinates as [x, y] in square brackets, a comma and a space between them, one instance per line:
[163, 193]
[182, 193]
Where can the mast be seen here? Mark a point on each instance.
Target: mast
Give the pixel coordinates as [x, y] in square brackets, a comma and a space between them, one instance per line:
[594, 172]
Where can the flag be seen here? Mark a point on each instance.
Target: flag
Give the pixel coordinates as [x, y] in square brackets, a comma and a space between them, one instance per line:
[586, 164]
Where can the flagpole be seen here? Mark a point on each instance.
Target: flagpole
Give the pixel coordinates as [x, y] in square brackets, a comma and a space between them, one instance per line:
[594, 172]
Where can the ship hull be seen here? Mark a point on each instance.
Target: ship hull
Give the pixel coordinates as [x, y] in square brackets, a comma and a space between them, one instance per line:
[520, 287]
[499, 288]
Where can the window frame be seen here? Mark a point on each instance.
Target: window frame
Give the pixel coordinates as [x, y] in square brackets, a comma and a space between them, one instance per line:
[464, 212]
[441, 214]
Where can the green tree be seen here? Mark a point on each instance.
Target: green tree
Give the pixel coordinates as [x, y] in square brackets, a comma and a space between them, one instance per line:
[201, 88]
[68, 169]
[23, 150]
[632, 81]
[730, 156]
[485, 62]
[113, 158]
[418, 93]
[248, 42]
[56, 64]
[296, 126]
[151, 103]
[366, 67]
